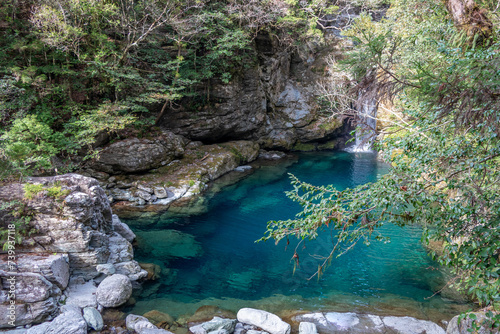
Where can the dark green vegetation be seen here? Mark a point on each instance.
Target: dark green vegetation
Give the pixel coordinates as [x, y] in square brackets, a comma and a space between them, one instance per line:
[441, 78]
[72, 71]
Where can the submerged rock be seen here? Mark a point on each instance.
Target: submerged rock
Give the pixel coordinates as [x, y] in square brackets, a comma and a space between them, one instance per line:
[157, 317]
[93, 318]
[265, 320]
[114, 291]
[170, 243]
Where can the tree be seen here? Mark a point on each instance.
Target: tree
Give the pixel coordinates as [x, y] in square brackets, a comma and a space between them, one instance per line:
[442, 142]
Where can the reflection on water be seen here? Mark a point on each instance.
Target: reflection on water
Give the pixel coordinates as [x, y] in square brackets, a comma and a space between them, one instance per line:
[211, 257]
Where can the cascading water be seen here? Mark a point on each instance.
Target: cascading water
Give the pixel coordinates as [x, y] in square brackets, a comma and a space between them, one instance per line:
[366, 130]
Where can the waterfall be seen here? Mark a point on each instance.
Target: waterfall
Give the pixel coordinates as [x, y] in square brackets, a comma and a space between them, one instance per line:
[367, 125]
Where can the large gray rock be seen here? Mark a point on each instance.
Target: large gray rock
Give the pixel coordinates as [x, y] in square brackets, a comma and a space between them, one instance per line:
[123, 229]
[217, 324]
[137, 155]
[265, 320]
[348, 322]
[411, 325]
[132, 319]
[70, 321]
[54, 267]
[114, 291]
[28, 313]
[77, 223]
[35, 298]
[138, 323]
[93, 318]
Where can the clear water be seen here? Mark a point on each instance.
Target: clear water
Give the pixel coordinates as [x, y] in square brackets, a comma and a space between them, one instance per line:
[209, 256]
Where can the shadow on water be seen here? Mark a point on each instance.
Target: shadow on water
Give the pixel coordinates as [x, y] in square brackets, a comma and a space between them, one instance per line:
[209, 255]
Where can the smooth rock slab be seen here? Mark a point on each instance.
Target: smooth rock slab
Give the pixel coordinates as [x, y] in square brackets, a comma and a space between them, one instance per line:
[352, 323]
[114, 291]
[70, 321]
[216, 324]
[265, 320]
[93, 318]
[409, 325]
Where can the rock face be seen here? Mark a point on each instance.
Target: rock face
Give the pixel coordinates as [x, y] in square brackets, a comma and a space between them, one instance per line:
[274, 103]
[180, 180]
[114, 291]
[70, 321]
[267, 321]
[138, 155]
[334, 322]
[75, 232]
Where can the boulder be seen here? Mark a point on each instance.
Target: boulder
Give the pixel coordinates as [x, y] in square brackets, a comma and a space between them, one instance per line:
[132, 320]
[123, 229]
[217, 324]
[307, 328]
[54, 267]
[134, 155]
[70, 321]
[28, 313]
[265, 320]
[93, 318]
[114, 291]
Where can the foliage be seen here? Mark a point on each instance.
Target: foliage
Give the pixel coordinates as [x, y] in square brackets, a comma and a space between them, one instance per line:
[15, 224]
[73, 70]
[443, 146]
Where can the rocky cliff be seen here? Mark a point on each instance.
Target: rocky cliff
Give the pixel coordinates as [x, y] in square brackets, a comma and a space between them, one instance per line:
[72, 243]
[272, 102]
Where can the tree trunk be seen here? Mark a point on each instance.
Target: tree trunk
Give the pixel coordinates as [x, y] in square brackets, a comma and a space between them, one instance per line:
[471, 19]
